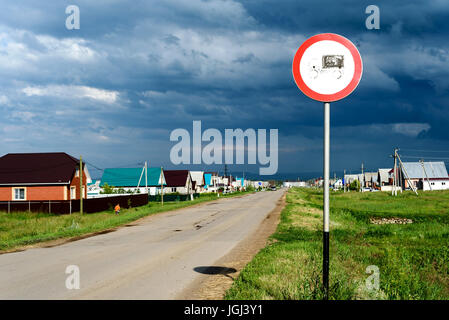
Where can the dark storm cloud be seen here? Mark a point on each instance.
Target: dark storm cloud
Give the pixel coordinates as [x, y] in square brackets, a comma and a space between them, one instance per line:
[138, 69]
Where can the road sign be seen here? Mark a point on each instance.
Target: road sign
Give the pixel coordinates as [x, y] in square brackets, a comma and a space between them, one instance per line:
[327, 67]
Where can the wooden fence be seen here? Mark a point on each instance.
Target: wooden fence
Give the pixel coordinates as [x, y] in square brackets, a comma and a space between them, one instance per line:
[69, 206]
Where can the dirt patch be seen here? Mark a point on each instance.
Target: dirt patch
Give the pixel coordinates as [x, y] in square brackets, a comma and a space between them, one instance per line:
[213, 287]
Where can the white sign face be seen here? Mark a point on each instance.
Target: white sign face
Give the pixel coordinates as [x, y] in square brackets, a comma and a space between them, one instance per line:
[327, 67]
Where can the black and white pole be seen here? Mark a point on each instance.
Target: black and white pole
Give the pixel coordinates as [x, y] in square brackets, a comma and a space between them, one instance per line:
[326, 200]
[327, 67]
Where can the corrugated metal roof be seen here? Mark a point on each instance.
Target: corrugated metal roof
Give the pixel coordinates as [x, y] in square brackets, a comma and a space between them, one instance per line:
[384, 175]
[351, 177]
[129, 177]
[24, 168]
[371, 176]
[208, 179]
[198, 177]
[433, 170]
[176, 178]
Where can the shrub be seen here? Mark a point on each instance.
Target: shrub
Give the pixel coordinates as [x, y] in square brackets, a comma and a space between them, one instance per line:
[355, 185]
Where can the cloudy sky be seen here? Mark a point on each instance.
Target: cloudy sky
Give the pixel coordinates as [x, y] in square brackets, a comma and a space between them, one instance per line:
[114, 90]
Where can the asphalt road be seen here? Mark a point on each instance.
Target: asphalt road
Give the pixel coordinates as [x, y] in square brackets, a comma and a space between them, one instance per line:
[156, 259]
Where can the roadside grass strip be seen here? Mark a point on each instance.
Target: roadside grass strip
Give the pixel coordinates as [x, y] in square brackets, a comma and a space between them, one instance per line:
[412, 258]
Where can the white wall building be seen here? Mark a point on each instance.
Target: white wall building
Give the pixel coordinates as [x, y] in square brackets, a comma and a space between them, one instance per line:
[290, 184]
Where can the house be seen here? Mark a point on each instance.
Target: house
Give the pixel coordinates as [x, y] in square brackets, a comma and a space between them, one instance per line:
[224, 183]
[41, 177]
[239, 183]
[209, 181]
[338, 184]
[259, 184]
[133, 179]
[93, 188]
[349, 178]
[198, 181]
[370, 179]
[178, 181]
[421, 174]
[290, 184]
[383, 177]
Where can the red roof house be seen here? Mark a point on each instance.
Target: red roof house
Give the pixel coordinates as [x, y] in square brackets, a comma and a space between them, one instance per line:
[40, 177]
[178, 181]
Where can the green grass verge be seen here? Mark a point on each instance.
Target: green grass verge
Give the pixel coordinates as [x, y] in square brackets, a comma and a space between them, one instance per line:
[413, 259]
[23, 228]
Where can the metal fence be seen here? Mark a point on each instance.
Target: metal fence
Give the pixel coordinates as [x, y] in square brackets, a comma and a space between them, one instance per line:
[68, 206]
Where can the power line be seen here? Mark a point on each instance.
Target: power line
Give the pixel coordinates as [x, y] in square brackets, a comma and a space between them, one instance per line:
[94, 166]
[416, 150]
[116, 167]
[416, 157]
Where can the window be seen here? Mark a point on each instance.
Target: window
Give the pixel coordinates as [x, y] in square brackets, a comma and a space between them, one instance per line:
[443, 183]
[77, 173]
[173, 189]
[19, 194]
[432, 183]
[72, 192]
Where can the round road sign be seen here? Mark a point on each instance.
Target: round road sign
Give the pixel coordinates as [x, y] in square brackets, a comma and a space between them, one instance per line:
[327, 67]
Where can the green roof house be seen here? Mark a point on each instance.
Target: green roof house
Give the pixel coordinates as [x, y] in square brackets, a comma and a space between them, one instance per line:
[128, 178]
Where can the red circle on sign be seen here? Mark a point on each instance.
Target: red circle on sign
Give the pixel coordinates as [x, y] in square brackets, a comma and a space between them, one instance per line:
[358, 68]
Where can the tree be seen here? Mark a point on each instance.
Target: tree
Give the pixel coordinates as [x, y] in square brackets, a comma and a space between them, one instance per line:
[355, 185]
[107, 189]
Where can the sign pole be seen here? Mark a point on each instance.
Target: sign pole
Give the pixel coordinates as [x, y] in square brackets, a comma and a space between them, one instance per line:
[327, 67]
[326, 200]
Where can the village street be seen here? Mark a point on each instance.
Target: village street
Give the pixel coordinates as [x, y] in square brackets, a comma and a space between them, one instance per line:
[157, 258]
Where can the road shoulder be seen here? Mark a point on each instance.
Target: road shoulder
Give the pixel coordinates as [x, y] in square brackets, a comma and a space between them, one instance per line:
[214, 286]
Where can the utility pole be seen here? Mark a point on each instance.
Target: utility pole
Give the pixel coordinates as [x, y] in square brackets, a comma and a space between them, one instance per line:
[362, 184]
[424, 170]
[81, 184]
[140, 179]
[394, 156]
[395, 173]
[162, 186]
[412, 186]
[146, 177]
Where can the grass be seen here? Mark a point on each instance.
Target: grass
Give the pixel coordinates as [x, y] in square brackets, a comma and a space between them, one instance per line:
[19, 229]
[412, 258]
